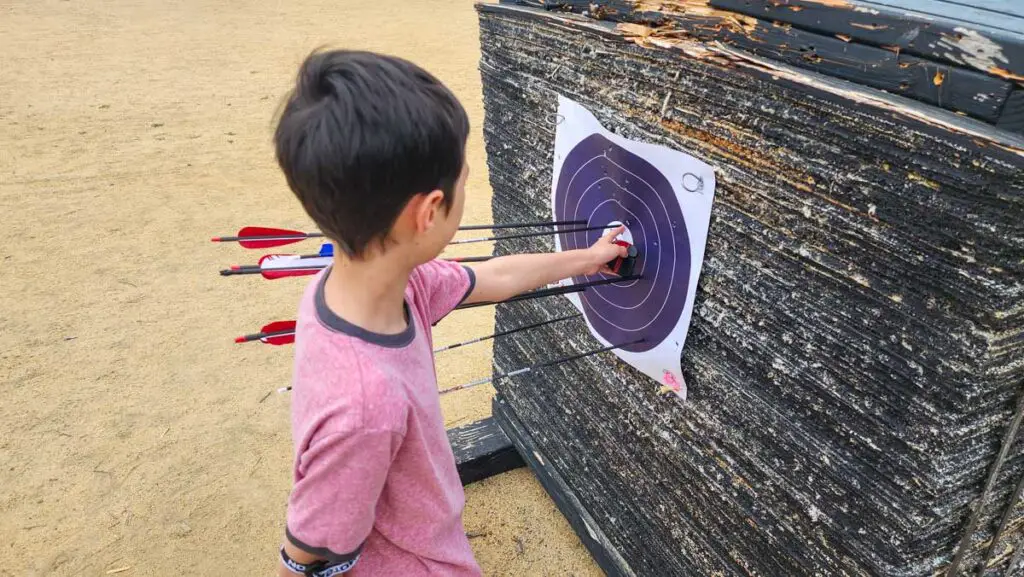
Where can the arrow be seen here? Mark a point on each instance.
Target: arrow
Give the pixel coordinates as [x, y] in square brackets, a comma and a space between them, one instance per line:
[504, 333]
[275, 333]
[560, 290]
[283, 339]
[274, 266]
[265, 237]
[521, 371]
[468, 258]
[532, 368]
[283, 333]
[521, 225]
[528, 234]
[326, 249]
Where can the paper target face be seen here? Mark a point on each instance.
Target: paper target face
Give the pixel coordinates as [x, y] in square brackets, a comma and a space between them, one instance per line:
[664, 199]
[594, 185]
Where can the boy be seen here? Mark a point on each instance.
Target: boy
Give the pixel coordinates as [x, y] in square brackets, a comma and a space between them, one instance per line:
[374, 148]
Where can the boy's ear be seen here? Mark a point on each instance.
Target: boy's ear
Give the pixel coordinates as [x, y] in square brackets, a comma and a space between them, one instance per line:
[425, 209]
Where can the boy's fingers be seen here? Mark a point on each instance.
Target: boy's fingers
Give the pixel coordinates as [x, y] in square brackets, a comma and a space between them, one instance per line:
[611, 234]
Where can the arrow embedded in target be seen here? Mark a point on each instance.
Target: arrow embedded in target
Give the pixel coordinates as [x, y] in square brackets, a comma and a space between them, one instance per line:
[281, 333]
[552, 291]
[521, 225]
[505, 333]
[275, 266]
[326, 250]
[531, 368]
[266, 237]
[528, 234]
[522, 371]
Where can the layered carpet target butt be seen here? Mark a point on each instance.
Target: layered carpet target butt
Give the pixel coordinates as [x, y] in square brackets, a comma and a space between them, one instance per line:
[855, 357]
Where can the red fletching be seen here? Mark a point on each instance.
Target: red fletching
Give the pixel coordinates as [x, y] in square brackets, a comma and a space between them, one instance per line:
[275, 333]
[268, 231]
[279, 326]
[271, 274]
[273, 329]
[296, 270]
[280, 340]
[284, 236]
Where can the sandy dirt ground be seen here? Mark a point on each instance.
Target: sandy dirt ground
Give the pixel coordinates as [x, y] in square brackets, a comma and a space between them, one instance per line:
[132, 436]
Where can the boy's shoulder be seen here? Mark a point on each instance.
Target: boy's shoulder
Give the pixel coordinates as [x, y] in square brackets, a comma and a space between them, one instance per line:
[339, 382]
[438, 286]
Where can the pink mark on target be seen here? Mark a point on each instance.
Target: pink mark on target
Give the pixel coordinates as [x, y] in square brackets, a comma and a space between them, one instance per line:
[670, 381]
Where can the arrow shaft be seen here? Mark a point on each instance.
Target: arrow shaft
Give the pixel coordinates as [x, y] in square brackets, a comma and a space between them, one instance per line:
[531, 368]
[551, 291]
[263, 335]
[295, 236]
[524, 296]
[299, 236]
[505, 332]
[527, 234]
[258, 269]
[468, 258]
[523, 370]
[521, 225]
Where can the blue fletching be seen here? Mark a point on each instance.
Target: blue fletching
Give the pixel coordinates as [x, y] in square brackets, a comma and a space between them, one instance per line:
[327, 249]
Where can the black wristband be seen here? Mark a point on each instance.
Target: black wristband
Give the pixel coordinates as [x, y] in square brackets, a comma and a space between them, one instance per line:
[318, 569]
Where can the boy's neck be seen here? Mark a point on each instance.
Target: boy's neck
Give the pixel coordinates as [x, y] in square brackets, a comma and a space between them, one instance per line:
[369, 293]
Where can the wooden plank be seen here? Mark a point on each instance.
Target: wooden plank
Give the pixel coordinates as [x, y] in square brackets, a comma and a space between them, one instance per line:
[482, 450]
[953, 88]
[957, 89]
[931, 36]
[586, 528]
[1012, 117]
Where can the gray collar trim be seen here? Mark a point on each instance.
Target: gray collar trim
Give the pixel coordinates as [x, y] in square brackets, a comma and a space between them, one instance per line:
[332, 321]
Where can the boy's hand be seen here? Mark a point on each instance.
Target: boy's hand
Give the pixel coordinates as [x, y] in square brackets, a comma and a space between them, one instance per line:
[604, 251]
[507, 276]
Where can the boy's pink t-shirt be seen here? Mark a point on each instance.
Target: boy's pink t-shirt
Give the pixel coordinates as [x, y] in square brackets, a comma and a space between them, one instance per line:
[374, 475]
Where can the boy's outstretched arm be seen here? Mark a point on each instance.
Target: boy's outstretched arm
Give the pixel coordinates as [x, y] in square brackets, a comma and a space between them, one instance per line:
[507, 276]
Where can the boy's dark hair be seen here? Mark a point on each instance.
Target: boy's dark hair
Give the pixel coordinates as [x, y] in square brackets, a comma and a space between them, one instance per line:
[363, 133]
